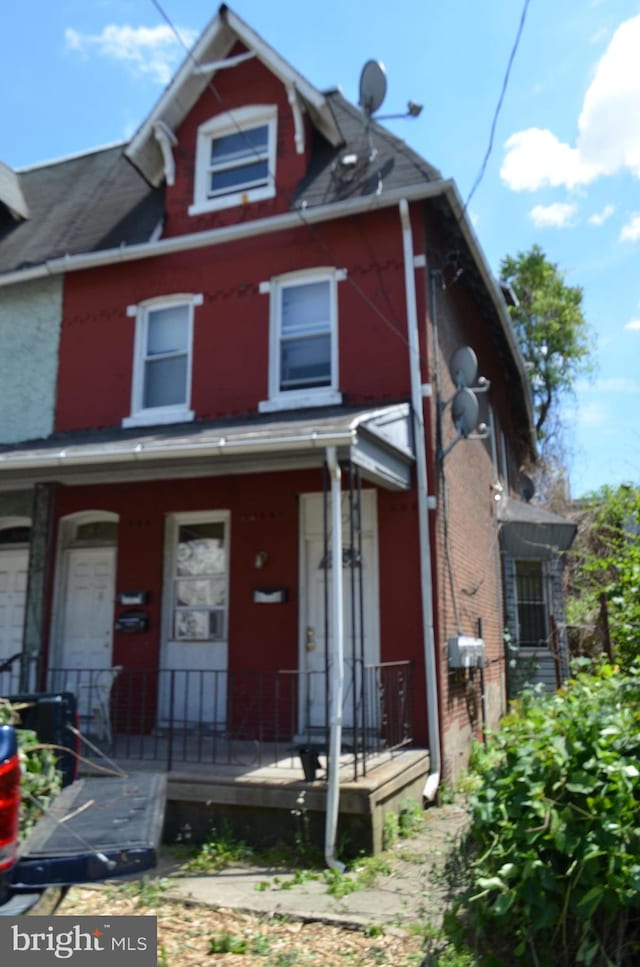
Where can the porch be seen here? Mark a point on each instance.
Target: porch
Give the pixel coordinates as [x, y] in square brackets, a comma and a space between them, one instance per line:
[246, 750]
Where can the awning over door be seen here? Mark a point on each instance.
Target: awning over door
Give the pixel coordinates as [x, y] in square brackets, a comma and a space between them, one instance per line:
[528, 530]
[377, 440]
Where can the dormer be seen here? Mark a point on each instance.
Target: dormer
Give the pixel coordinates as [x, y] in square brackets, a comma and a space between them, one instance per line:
[11, 197]
[235, 161]
[218, 133]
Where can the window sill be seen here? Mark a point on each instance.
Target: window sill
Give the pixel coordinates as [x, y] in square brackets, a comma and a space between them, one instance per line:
[235, 200]
[156, 417]
[299, 401]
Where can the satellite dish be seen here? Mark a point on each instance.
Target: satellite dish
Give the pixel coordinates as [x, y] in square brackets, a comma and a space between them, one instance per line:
[527, 487]
[373, 86]
[465, 411]
[463, 367]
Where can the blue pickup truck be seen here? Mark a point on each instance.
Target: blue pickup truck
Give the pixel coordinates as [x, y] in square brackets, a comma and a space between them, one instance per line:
[98, 827]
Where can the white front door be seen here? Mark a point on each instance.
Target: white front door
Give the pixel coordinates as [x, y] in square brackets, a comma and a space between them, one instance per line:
[13, 588]
[88, 608]
[361, 618]
[193, 680]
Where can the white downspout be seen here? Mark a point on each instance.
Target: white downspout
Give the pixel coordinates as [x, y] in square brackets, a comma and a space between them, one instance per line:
[426, 582]
[336, 666]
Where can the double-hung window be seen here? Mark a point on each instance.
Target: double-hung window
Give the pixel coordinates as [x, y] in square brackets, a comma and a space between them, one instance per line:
[303, 368]
[235, 159]
[161, 387]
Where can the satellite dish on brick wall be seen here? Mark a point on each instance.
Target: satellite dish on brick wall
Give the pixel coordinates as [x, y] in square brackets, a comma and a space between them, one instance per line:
[463, 367]
[526, 487]
[373, 86]
[465, 411]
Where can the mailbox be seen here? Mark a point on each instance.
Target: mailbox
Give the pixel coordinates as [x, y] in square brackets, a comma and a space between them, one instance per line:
[132, 621]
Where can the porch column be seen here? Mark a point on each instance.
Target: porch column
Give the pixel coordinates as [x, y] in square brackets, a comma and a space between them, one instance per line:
[336, 663]
[40, 555]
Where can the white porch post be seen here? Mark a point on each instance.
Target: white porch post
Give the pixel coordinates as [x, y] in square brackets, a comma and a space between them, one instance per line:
[336, 664]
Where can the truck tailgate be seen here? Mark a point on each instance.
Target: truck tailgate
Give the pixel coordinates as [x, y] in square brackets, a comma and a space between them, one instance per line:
[95, 829]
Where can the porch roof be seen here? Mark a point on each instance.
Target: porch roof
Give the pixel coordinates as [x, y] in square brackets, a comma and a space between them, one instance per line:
[378, 440]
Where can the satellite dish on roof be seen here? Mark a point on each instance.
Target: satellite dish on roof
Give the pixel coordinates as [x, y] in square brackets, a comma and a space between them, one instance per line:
[465, 411]
[463, 367]
[373, 86]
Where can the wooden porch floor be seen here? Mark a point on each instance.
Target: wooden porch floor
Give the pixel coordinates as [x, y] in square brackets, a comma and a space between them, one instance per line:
[262, 800]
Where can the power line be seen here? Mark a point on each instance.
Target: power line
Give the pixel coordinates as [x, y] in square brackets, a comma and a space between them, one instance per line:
[312, 228]
[503, 91]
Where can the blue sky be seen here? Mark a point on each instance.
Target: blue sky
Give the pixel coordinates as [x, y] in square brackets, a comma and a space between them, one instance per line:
[564, 170]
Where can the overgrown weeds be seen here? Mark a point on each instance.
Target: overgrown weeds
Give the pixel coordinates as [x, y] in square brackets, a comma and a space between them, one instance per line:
[555, 877]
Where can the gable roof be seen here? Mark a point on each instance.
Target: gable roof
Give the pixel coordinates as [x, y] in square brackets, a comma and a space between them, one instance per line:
[195, 73]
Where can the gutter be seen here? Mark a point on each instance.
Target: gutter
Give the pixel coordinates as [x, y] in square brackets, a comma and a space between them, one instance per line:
[230, 233]
[141, 452]
[426, 579]
[336, 664]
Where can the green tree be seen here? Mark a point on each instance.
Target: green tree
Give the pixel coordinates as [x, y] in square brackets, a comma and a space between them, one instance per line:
[552, 332]
[605, 560]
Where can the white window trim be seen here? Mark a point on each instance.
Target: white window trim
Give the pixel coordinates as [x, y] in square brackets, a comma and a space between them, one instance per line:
[173, 523]
[155, 415]
[231, 122]
[321, 395]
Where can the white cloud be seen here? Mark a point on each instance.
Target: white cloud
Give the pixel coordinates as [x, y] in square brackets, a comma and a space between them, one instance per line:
[599, 218]
[557, 215]
[631, 231]
[608, 127]
[146, 50]
[535, 158]
[633, 325]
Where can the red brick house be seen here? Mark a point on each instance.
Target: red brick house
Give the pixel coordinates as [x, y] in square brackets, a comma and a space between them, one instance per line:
[260, 296]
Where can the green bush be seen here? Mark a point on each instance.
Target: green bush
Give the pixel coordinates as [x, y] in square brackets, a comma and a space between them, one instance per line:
[555, 874]
[40, 780]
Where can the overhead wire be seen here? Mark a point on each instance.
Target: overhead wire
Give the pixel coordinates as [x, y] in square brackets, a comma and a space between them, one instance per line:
[496, 114]
[289, 198]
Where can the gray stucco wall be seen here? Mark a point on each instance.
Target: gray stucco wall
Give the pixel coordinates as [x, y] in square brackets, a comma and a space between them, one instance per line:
[30, 315]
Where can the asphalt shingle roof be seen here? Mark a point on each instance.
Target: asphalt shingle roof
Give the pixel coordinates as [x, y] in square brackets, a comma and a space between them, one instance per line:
[80, 204]
[394, 164]
[99, 200]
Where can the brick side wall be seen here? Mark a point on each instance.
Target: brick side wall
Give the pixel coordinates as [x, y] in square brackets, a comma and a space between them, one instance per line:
[469, 593]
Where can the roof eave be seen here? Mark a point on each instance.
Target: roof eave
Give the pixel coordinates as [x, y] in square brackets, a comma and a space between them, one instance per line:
[497, 300]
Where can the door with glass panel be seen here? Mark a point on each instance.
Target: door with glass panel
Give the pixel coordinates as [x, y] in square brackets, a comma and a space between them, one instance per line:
[193, 678]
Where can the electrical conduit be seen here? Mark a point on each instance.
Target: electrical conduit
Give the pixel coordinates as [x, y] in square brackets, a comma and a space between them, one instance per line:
[426, 582]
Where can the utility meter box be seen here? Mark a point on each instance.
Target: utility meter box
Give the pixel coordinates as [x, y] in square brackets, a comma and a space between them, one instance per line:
[466, 652]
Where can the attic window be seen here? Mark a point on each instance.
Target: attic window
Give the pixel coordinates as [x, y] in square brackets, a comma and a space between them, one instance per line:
[235, 159]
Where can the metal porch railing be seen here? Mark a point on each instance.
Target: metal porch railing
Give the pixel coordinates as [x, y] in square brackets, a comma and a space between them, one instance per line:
[174, 717]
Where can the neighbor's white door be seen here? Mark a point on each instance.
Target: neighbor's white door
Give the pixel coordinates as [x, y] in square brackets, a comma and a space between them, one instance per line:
[356, 646]
[88, 608]
[13, 588]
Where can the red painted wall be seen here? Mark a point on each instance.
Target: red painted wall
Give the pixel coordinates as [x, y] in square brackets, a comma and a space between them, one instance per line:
[231, 328]
[264, 516]
[248, 84]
